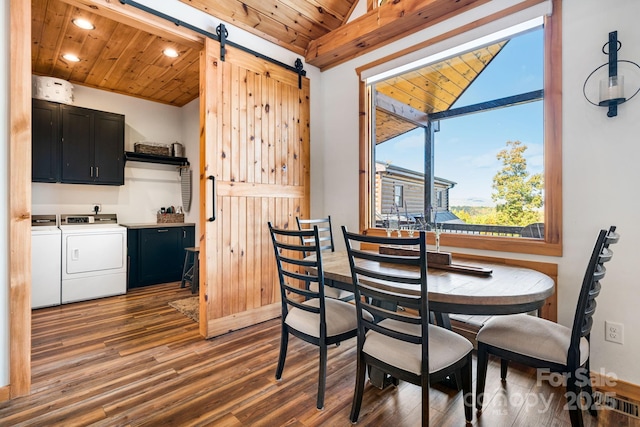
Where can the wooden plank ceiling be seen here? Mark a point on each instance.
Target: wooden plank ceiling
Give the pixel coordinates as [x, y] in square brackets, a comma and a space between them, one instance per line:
[113, 56]
[293, 24]
[430, 89]
[119, 57]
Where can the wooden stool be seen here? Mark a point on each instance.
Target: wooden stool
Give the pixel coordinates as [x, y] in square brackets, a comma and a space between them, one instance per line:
[191, 270]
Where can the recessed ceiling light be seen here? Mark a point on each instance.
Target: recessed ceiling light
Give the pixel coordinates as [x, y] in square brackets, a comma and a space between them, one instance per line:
[171, 53]
[83, 23]
[71, 57]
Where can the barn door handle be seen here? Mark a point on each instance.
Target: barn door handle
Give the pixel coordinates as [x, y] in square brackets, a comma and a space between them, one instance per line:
[213, 198]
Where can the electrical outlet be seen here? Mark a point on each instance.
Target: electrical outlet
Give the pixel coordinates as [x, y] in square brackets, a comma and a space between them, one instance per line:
[97, 207]
[614, 332]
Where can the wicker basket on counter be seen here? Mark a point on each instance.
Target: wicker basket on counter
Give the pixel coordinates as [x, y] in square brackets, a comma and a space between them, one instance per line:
[170, 218]
[152, 148]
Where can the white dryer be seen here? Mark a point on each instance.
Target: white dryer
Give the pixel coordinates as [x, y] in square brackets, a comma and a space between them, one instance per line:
[45, 261]
[94, 257]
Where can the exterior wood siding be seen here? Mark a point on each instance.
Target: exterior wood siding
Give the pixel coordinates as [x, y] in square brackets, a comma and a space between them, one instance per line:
[389, 177]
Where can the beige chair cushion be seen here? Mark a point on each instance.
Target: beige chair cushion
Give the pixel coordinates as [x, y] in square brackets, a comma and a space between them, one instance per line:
[331, 292]
[531, 336]
[445, 347]
[341, 318]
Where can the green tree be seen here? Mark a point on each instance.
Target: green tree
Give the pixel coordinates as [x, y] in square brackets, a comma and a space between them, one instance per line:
[517, 194]
[476, 215]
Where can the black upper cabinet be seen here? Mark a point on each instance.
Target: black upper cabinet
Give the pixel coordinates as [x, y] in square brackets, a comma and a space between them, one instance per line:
[77, 149]
[92, 146]
[45, 153]
[77, 145]
[109, 148]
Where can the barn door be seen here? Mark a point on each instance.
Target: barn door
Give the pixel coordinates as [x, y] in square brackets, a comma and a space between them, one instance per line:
[254, 169]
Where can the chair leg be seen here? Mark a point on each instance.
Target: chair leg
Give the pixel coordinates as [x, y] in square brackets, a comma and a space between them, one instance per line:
[593, 410]
[483, 361]
[589, 389]
[184, 267]
[322, 376]
[424, 386]
[504, 364]
[467, 394]
[195, 278]
[359, 390]
[575, 403]
[284, 341]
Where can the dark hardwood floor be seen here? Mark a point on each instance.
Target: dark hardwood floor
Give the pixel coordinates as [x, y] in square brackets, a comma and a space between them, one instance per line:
[132, 360]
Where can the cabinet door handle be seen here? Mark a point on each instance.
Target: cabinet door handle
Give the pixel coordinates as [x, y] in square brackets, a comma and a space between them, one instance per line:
[213, 198]
[91, 172]
[184, 234]
[97, 172]
[162, 231]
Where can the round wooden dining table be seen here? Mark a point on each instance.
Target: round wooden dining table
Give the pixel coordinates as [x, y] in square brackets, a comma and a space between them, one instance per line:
[506, 290]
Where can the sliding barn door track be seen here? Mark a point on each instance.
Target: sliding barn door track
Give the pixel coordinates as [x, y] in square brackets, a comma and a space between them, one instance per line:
[221, 36]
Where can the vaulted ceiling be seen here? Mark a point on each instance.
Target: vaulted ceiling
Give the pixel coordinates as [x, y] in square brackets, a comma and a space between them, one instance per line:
[290, 23]
[123, 57]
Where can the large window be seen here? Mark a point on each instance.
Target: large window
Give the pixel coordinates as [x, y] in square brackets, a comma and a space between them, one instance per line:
[476, 135]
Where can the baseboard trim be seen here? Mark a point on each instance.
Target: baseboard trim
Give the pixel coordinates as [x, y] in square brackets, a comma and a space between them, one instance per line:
[5, 393]
[619, 387]
[223, 325]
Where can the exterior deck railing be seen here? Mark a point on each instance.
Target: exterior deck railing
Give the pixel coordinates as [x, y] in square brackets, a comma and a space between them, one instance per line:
[477, 229]
[481, 229]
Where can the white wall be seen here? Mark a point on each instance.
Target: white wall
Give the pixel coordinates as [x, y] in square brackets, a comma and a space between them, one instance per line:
[148, 186]
[600, 176]
[4, 196]
[190, 119]
[600, 171]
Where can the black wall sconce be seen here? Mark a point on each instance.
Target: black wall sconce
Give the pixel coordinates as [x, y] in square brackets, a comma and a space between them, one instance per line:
[611, 87]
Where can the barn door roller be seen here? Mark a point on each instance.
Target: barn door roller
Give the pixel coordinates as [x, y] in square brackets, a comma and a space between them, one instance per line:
[222, 33]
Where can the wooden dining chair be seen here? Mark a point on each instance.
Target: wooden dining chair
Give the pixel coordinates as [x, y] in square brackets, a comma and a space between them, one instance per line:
[543, 344]
[306, 313]
[402, 343]
[325, 234]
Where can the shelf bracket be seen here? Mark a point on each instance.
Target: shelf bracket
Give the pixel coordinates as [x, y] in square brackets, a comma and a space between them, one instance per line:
[154, 158]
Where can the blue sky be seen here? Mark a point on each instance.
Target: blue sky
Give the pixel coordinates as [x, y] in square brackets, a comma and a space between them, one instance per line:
[466, 147]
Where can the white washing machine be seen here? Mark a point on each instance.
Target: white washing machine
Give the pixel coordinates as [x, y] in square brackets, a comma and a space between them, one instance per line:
[94, 257]
[46, 255]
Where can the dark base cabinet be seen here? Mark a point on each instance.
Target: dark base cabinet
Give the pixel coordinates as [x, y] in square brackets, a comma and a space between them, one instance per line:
[156, 254]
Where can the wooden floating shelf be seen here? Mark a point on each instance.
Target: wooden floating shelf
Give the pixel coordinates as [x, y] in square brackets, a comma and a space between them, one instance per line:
[439, 260]
[155, 158]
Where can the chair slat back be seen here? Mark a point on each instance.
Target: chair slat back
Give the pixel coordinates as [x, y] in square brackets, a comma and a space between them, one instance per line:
[374, 288]
[292, 266]
[325, 233]
[583, 319]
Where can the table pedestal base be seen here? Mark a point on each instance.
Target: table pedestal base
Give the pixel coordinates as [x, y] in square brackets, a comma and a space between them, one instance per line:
[380, 379]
